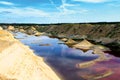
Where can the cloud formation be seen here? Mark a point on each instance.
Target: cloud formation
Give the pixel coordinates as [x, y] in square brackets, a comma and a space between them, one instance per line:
[59, 11]
[69, 8]
[52, 2]
[6, 3]
[22, 12]
[91, 1]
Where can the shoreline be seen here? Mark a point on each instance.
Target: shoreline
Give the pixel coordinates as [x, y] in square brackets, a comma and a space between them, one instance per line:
[58, 69]
[56, 72]
[22, 62]
[63, 69]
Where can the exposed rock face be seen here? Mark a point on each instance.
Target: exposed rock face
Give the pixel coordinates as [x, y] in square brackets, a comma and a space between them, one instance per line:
[31, 31]
[91, 31]
[18, 62]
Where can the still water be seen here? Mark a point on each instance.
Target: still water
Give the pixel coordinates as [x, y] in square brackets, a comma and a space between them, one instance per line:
[64, 59]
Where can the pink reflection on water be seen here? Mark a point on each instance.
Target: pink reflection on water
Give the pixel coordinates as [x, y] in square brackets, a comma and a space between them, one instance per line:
[112, 65]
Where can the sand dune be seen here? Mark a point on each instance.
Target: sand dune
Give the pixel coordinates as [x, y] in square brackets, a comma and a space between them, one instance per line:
[18, 62]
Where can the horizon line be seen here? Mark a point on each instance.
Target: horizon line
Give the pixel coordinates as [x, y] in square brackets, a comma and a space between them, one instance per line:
[64, 23]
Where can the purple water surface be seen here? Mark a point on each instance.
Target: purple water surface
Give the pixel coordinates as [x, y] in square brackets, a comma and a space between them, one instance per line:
[63, 59]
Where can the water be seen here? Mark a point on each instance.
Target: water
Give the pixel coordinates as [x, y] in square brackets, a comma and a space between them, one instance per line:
[64, 59]
[48, 47]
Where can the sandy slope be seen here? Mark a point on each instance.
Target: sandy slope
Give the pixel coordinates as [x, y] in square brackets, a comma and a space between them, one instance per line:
[18, 62]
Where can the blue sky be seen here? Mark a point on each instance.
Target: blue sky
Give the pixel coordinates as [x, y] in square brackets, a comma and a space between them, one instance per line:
[59, 11]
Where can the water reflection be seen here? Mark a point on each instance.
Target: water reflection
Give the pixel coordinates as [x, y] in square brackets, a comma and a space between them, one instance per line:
[64, 59]
[39, 45]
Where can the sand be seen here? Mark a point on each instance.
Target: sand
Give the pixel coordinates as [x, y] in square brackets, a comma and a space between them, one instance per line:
[18, 62]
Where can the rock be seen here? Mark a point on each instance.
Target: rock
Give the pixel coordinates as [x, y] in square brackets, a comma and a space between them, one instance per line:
[22, 30]
[61, 35]
[84, 45]
[18, 62]
[99, 49]
[31, 31]
[1, 28]
[45, 45]
[70, 42]
[38, 33]
[105, 40]
[60, 42]
[84, 37]
[33, 28]
[11, 28]
[64, 39]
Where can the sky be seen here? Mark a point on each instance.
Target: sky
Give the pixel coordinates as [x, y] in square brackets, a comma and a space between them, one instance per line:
[59, 11]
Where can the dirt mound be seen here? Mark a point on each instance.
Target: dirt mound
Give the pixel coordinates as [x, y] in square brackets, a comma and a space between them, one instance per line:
[84, 45]
[18, 62]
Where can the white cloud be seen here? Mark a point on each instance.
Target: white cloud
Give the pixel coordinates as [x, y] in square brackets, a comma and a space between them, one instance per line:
[64, 5]
[22, 12]
[67, 8]
[52, 2]
[91, 1]
[29, 14]
[6, 3]
[62, 8]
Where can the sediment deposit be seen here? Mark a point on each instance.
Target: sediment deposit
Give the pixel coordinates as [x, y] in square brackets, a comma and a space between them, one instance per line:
[18, 62]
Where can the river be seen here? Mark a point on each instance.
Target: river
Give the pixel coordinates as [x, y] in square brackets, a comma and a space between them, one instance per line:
[64, 59]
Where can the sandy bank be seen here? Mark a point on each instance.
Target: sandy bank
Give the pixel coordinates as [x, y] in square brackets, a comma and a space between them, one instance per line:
[18, 62]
